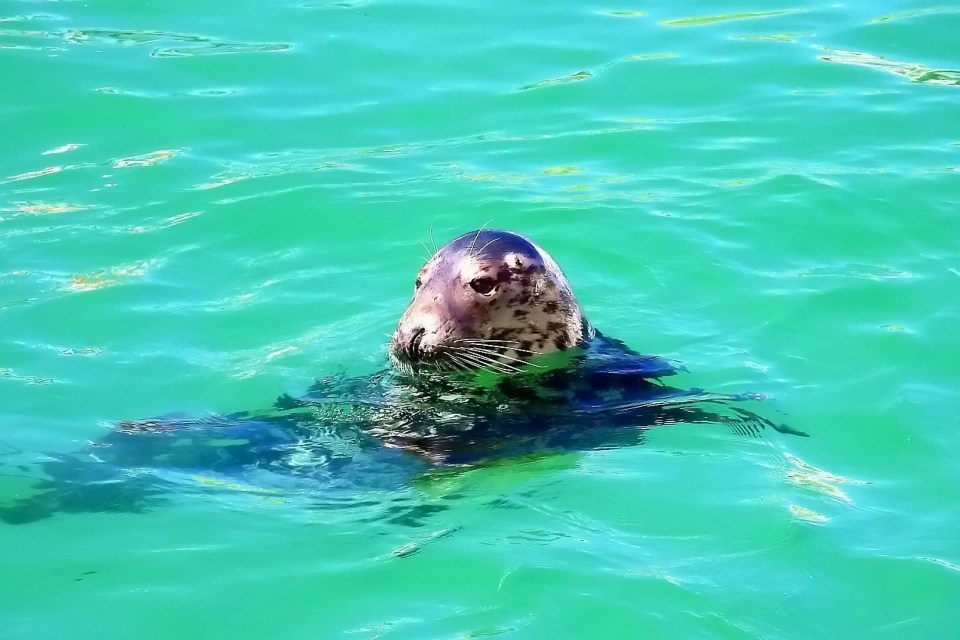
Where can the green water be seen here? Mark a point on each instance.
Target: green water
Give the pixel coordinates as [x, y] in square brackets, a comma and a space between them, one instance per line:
[203, 206]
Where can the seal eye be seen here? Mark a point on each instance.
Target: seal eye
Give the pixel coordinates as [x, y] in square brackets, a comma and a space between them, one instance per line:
[417, 283]
[484, 286]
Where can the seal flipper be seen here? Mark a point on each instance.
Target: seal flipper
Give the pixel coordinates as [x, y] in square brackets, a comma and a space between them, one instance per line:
[605, 355]
[610, 365]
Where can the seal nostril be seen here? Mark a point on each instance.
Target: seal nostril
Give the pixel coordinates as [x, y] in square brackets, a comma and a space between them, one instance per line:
[414, 347]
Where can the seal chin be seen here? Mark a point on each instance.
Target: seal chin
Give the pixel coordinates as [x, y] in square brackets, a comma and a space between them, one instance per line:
[399, 363]
[405, 362]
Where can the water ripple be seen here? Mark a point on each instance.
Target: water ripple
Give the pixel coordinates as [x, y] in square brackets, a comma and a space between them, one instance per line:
[28, 175]
[219, 48]
[112, 276]
[579, 76]
[40, 208]
[195, 45]
[10, 374]
[699, 21]
[623, 14]
[802, 513]
[807, 476]
[146, 159]
[914, 13]
[913, 71]
[62, 149]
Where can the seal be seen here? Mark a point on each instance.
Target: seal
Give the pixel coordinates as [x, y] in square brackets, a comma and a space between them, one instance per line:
[487, 299]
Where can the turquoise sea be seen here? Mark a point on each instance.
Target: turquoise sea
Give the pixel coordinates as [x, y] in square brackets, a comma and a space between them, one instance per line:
[204, 206]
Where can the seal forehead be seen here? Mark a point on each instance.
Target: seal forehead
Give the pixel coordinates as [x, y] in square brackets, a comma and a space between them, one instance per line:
[493, 245]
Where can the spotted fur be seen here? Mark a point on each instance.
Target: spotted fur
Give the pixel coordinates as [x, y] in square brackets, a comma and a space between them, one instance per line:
[455, 323]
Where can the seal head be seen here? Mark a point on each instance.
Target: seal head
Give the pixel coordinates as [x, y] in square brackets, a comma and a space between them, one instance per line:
[488, 299]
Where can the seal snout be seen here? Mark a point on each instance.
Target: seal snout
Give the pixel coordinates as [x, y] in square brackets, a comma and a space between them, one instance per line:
[408, 344]
[413, 346]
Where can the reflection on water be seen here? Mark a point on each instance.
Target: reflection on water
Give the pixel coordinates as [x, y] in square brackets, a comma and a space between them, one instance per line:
[700, 21]
[914, 72]
[198, 45]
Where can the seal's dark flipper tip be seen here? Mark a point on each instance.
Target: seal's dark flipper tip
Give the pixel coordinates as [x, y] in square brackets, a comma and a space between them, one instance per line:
[750, 417]
[787, 429]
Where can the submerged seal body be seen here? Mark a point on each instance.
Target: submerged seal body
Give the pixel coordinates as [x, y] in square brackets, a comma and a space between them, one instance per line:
[488, 299]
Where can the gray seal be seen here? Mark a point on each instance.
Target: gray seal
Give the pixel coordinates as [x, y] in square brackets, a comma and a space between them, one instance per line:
[488, 299]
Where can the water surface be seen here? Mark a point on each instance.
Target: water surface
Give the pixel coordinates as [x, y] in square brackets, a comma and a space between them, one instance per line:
[202, 209]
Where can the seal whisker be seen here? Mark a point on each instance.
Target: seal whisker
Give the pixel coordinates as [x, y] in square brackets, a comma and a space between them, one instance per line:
[480, 250]
[453, 362]
[401, 366]
[476, 353]
[486, 362]
[494, 354]
[466, 366]
[495, 361]
[427, 249]
[517, 349]
[473, 245]
[520, 360]
[504, 366]
[490, 351]
[502, 351]
[432, 241]
[496, 344]
[467, 358]
[474, 361]
[461, 366]
[454, 366]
